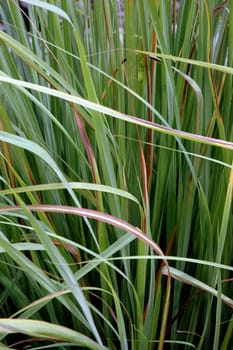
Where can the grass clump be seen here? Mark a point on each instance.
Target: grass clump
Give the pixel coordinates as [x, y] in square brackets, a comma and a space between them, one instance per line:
[116, 174]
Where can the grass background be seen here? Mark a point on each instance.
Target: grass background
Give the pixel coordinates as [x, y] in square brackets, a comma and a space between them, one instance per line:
[116, 175]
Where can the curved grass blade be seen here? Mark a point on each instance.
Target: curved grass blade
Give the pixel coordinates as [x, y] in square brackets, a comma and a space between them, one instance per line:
[184, 277]
[74, 186]
[91, 214]
[48, 331]
[120, 116]
[202, 64]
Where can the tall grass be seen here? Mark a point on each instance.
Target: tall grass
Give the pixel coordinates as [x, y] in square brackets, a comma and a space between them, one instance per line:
[116, 175]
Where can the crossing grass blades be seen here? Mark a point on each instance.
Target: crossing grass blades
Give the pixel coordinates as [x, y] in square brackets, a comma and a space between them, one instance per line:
[116, 174]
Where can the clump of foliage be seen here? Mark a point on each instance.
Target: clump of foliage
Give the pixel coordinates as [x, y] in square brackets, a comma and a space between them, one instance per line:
[116, 174]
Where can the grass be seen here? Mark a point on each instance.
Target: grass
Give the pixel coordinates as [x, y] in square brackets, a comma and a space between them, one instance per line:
[116, 175]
